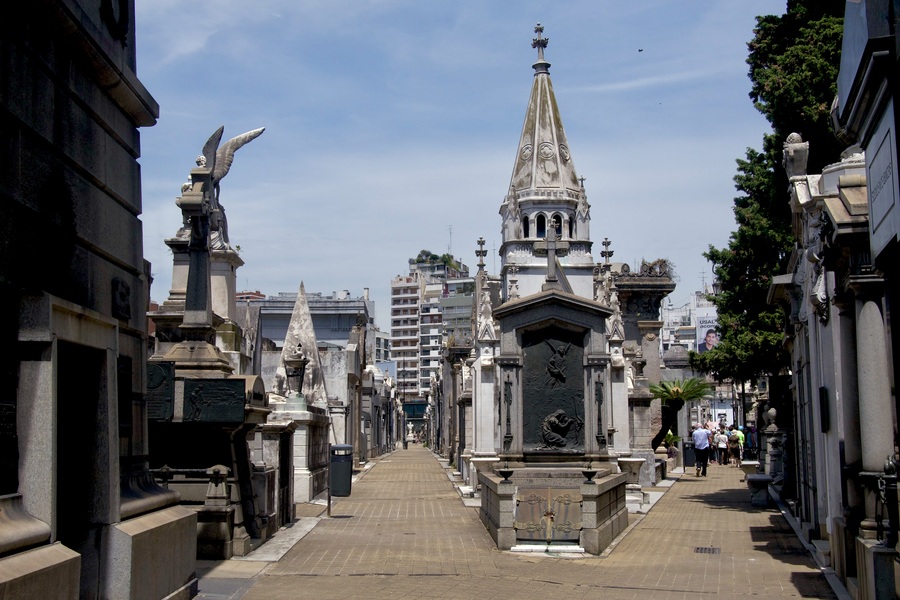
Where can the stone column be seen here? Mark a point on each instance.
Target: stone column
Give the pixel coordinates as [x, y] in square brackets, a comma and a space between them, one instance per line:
[618, 430]
[877, 439]
[874, 387]
[484, 448]
[845, 327]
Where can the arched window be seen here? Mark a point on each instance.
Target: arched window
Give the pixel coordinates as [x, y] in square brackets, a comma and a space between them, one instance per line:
[541, 226]
[557, 225]
[526, 227]
[571, 228]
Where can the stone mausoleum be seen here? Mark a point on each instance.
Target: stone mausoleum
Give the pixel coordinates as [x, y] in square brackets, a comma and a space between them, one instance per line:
[554, 410]
[80, 514]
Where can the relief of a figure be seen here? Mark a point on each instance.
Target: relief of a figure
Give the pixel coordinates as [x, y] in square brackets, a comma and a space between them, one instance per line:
[555, 427]
[556, 366]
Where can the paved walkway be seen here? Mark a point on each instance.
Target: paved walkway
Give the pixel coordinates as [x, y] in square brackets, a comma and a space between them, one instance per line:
[405, 533]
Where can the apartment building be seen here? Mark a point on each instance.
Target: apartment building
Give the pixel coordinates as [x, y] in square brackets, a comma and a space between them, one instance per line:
[418, 302]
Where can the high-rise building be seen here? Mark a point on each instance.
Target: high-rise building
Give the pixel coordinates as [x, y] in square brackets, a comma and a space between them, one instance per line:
[418, 301]
[405, 332]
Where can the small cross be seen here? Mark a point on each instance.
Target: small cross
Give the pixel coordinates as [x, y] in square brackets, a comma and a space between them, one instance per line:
[606, 253]
[481, 253]
[539, 42]
[582, 179]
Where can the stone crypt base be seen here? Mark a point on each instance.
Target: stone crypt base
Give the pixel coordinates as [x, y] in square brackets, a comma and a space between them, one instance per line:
[554, 506]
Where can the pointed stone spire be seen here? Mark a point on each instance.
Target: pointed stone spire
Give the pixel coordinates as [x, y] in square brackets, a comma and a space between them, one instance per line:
[543, 160]
[545, 193]
[301, 335]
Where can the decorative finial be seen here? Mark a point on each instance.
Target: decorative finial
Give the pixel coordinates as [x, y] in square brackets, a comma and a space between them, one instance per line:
[606, 253]
[481, 253]
[539, 42]
[582, 180]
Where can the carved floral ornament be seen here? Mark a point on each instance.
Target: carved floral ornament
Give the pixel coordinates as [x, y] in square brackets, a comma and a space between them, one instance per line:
[527, 152]
[546, 151]
[658, 268]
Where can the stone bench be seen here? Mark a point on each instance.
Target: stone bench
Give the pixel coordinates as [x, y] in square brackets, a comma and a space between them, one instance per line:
[758, 483]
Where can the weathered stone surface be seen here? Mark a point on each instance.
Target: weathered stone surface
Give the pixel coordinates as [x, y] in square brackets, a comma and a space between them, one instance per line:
[145, 567]
[48, 572]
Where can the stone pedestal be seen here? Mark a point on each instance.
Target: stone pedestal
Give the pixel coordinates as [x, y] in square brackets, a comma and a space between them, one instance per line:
[631, 467]
[874, 569]
[481, 464]
[603, 512]
[758, 483]
[775, 453]
[223, 266]
[52, 571]
[215, 521]
[215, 526]
[153, 556]
[263, 481]
[749, 467]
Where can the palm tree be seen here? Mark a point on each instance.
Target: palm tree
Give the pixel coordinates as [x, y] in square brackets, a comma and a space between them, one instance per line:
[674, 395]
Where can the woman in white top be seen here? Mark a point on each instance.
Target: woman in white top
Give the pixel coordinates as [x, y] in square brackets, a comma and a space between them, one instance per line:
[721, 441]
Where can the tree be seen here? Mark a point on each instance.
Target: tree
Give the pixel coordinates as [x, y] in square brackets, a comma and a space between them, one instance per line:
[794, 61]
[674, 395]
[427, 256]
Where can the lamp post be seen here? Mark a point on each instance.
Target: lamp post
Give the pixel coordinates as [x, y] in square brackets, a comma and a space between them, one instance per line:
[736, 407]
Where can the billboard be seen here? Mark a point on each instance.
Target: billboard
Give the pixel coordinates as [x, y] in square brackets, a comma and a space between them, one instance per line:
[707, 321]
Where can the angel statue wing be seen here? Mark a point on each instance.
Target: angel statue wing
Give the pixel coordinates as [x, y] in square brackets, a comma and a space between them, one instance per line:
[209, 148]
[225, 154]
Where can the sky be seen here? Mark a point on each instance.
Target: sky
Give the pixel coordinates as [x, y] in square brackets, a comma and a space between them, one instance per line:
[392, 126]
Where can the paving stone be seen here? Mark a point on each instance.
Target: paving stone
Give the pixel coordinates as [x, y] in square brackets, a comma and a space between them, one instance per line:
[405, 533]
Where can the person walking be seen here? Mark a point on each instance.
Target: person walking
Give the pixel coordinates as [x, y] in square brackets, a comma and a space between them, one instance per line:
[721, 442]
[701, 438]
[734, 446]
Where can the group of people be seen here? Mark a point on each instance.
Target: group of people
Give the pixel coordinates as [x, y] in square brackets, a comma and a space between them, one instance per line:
[717, 443]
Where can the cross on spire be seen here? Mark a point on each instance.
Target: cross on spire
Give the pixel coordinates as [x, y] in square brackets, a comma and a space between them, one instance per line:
[481, 253]
[606, 253]
[539, 42]
[582, 180]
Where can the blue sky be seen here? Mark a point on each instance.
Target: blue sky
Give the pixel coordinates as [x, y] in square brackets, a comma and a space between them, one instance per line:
[391, 123]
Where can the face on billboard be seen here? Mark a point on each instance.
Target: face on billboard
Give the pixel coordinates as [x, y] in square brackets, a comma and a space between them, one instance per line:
[710, 339]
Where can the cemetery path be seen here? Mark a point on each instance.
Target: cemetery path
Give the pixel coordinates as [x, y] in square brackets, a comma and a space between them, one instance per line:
[405, 533]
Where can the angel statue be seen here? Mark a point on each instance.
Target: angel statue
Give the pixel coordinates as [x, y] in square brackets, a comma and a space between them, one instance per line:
[556, 366]
[218, 160]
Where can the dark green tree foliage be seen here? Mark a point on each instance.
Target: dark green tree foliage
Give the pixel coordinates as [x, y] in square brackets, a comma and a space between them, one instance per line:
[427, 256]
[794, 61]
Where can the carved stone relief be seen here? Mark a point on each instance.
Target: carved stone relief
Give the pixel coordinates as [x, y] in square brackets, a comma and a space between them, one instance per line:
[553, 394]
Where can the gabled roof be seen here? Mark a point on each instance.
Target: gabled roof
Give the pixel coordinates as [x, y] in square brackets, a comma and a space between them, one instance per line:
[552, 296]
